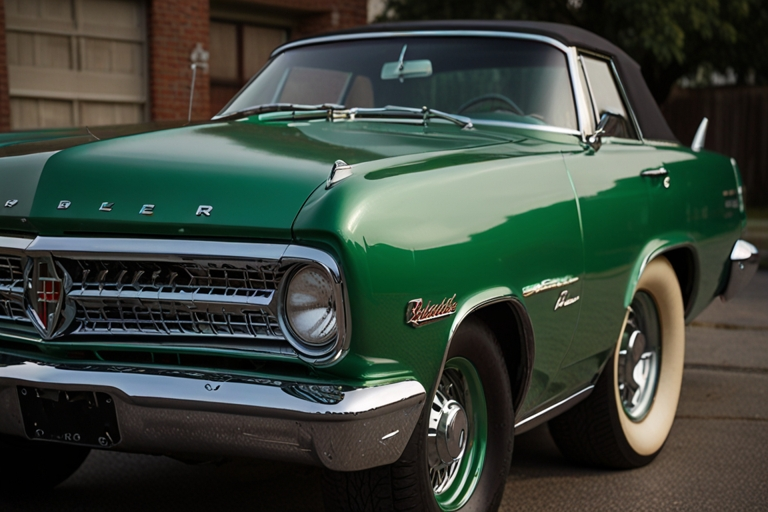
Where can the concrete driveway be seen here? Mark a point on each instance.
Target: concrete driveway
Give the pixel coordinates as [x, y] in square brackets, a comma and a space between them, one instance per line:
[715, 459]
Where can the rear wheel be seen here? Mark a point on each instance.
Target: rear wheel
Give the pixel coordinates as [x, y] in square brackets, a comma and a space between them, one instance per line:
[459, 454]
[35, 465]
[625, 422]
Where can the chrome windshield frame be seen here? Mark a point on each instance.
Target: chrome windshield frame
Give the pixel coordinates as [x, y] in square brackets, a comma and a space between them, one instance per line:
[570, 54]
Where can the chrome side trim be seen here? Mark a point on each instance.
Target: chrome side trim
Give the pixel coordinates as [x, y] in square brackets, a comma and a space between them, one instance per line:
[550, 412]
[745, 258]
[200, 413]
[570, 55]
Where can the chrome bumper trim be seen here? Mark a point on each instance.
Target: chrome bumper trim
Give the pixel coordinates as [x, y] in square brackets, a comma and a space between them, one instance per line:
[206, 414]
[745, 259]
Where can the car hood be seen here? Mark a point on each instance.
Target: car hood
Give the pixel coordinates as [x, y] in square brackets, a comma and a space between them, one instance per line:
[253, 176]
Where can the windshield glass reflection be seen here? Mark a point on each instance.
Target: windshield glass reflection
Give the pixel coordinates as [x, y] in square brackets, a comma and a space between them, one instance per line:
[482, 78]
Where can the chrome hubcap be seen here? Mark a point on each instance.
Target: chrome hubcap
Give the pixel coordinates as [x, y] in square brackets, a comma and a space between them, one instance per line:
[639, 357]
[449, 430]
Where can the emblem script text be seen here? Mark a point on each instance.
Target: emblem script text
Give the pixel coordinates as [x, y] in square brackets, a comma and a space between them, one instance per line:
[418, 314]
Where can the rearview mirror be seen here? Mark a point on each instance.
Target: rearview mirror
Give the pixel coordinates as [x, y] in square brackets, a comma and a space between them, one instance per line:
[406, 69]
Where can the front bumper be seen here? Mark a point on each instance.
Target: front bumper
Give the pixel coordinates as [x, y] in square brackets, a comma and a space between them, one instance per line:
[745, 259]
[189, 413]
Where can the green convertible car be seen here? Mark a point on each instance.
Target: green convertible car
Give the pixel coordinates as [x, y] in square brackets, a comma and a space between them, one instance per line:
[396, 248]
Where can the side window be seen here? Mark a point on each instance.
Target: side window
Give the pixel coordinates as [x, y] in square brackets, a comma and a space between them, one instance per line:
[606, 98]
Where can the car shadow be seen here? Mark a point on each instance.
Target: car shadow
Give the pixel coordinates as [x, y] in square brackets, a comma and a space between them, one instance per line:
[536, 456]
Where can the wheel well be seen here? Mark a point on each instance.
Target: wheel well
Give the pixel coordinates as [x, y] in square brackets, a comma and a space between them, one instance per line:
[683, 260]
[509, 322]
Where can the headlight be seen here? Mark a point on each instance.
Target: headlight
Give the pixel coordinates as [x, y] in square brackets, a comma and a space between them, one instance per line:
[310, 306]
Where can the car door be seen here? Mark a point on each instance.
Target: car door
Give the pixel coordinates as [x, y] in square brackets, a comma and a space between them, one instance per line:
[613, 185]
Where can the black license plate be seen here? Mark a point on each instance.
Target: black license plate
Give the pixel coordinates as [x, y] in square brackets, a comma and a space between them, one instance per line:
[79, 417]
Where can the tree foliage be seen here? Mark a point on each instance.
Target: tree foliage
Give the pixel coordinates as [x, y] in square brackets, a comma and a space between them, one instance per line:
[669, 38]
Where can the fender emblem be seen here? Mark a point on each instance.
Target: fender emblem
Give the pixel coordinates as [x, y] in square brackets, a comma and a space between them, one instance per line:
[548, 284]
[563, 300]
[417, 314]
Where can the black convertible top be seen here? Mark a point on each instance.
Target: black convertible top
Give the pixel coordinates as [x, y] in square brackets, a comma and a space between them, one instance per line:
[652, 123]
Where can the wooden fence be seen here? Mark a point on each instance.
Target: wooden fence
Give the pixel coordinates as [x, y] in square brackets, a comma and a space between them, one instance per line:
[738, 127]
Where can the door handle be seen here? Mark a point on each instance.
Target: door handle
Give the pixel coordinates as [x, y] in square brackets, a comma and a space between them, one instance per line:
[654, 172]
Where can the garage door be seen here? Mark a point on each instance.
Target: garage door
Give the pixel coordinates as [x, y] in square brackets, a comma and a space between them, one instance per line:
[238, 51]
[76, 62]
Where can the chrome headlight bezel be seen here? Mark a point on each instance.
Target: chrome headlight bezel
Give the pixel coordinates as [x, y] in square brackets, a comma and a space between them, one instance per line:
[330, 350]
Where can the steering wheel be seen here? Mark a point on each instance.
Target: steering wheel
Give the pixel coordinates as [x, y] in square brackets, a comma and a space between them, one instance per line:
[491, 97]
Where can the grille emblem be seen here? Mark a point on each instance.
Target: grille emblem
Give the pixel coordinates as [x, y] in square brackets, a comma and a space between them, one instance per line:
[46, 284]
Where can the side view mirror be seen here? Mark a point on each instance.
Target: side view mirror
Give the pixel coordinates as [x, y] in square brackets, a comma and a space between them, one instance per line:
[595, 140]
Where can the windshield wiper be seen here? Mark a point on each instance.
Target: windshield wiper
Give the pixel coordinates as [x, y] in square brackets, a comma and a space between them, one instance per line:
[333, 111]
[278, 107]
[397, 111]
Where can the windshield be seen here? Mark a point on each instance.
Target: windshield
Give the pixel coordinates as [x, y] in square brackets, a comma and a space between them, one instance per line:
[482, 78]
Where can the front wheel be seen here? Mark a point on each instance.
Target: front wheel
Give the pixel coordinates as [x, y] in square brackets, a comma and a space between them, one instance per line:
[625, 422]
[459, 454]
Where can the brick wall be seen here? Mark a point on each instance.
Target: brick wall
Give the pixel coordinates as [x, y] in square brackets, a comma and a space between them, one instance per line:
[175, 27]
[318, 16]
[5, 105]
[340, 15]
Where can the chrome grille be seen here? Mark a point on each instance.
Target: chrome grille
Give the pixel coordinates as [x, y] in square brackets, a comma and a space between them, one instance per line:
[200, 297]
[213, 276]
[180, 293]
[11, 289]
[121, 317]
